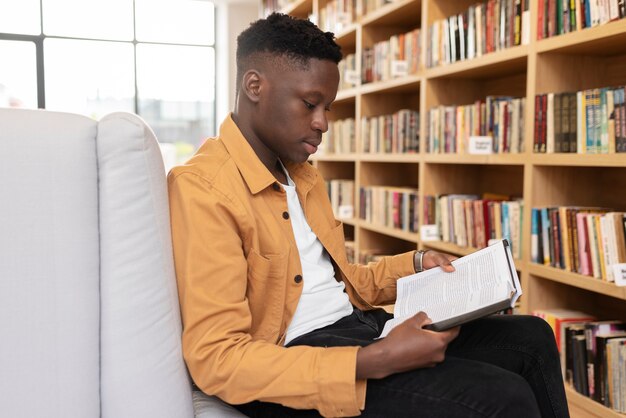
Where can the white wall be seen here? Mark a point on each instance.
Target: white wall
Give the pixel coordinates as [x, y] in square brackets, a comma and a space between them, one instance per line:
[232, 16]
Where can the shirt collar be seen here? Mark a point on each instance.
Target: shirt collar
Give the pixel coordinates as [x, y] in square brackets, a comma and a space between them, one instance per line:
[253, 171]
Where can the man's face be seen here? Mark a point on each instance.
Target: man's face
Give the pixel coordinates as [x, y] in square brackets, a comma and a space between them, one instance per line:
[292, 112]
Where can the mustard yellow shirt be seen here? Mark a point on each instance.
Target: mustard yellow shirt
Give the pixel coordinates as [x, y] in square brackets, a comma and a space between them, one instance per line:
[239, 280]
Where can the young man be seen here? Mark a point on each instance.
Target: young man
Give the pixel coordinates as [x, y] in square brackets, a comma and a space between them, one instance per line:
[276, 321]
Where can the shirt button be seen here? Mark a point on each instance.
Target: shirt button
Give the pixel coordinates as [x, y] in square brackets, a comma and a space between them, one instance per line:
[297, 279]
[276, 187]
[285, 215]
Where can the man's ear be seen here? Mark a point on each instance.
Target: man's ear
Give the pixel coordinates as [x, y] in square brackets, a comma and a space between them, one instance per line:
[251, 85]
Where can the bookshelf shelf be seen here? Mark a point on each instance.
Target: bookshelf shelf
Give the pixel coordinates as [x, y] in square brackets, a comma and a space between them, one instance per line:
[489, 65]
[398, 85]
[349, 221]
[593, 41]
[346, 95]
[592, 58]
[333, 157]
[390, 158]
[299, 8]
[347, 35]
[392, 232]
[397, 12]
[586, 160]
[508, 159]
[583, 407]
[578, 280]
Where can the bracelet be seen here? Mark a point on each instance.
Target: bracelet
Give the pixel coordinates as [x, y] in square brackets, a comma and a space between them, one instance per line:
[419, 260]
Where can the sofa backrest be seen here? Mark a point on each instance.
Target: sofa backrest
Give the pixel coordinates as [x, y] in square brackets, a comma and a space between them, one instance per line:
[89, 315]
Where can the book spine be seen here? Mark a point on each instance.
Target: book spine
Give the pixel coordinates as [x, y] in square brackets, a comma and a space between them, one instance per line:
[545, 236]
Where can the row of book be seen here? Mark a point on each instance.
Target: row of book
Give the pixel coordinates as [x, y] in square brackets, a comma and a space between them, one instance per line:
[556, 17]
[348, 75]
[591, 121]
[392, 207]
[336, 15]
[485, 27]
[396, 133]
[584, 240]
[340, 138]
[593, 354]
[398, 56]
[341, 193]
[502, 118]
[468, 220]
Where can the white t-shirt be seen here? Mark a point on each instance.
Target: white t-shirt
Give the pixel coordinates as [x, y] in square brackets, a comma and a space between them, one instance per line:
[323, 300]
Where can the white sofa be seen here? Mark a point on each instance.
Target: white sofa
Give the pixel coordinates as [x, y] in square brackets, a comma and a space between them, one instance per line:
[89, 315]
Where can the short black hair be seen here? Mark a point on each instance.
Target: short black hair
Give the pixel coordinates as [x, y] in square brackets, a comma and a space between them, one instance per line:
[290, 37]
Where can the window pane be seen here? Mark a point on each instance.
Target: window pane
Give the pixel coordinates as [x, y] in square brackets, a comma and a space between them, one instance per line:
[98, 19]
[18, 74]
[176, 88]
[180, 21]
[89, 77]
[20, 16]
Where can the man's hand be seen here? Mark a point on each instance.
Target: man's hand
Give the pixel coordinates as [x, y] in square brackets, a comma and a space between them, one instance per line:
[433, 258]
[408, 346]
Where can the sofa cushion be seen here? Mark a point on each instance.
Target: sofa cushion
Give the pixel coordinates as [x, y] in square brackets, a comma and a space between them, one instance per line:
[143, 373]
[49, 265]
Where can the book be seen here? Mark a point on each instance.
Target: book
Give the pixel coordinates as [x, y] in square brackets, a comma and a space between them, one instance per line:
[571, 330]
[601, 368]
[591, 330]
[483, 283]
[559, 319]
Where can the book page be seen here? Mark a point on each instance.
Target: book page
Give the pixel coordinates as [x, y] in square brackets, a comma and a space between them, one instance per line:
[480, 279]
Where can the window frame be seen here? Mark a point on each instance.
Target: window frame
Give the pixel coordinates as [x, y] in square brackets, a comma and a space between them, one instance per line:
[38, 40]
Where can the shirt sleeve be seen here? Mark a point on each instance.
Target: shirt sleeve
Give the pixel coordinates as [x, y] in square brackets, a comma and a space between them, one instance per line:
[221, 354]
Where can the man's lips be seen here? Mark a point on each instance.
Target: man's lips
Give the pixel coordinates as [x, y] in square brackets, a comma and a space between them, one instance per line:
[311, 145]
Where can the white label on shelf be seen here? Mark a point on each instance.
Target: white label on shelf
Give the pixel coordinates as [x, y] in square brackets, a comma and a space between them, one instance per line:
[480, 145]
[619, 273]
[352, 77]
[345, 211]
[399, 68]
[429, 233]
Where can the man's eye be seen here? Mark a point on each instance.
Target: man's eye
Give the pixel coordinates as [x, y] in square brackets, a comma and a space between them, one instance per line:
[309, 105]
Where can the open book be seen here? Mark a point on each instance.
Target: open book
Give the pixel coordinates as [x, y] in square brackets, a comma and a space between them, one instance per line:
[483, 283]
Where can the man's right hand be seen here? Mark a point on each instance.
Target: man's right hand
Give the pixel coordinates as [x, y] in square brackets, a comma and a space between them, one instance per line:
[408, 346]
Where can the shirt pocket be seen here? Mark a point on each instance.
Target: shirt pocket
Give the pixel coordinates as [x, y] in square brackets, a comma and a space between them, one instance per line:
[266, 293]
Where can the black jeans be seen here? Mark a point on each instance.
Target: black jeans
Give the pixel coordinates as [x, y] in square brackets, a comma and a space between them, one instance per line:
[500, 366]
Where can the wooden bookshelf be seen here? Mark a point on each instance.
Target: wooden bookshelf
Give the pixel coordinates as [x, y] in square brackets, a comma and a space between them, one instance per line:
[589, 58]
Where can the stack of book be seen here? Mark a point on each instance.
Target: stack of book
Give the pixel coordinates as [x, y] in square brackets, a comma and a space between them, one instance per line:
[584, 240]
[391, 207]
[591, 121]
[396, 133]
[485, 27]
[593, 354]
[398, 56]
[502, 118]
[555, 17]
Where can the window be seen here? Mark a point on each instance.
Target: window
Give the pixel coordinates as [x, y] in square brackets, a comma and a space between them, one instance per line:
[152, 57]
